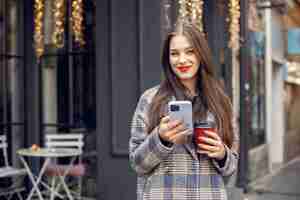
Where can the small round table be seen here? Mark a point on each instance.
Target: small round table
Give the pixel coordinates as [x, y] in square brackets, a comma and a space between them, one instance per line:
[48, 154]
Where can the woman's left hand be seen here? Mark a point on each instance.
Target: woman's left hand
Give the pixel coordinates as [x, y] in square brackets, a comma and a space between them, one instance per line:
[212, 145]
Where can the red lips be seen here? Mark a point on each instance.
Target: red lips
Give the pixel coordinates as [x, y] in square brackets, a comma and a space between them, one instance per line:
[183, 69]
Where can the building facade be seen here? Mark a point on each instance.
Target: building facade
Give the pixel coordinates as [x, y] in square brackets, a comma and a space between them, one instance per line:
[274, 142]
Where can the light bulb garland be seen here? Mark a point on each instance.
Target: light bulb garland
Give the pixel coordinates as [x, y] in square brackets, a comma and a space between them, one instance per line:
[59, 17]
[77, 21]
[59, 23]
[38, 27]
[192, 10]
[183, 13]
[196, 13]
[234, 24]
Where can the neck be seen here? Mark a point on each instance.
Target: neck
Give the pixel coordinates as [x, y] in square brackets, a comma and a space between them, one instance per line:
[190, 85]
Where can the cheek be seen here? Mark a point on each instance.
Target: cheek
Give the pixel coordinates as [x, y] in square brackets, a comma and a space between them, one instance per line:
[197, 63]
[195, 60]
[172, 61]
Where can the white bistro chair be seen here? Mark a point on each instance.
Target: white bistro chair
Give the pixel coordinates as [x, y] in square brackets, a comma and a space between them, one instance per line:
[77, 170]
[8, 171]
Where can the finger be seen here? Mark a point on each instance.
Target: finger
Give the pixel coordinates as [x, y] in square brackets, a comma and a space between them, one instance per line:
[209, 141]
[187, 132]
[208, 147]
[171, 133]
[164, 123]
[213, 135]
[179, 138]
[174, 123]
[213, 155]
[165, 119]
[202, 152]
[182, 134]
[209, 154]
[180, 128]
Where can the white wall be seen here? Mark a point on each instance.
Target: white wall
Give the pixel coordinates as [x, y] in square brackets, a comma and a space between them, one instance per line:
[274, 87]
[277, 37]
[277, 139]
[275, 111]
[268, 82]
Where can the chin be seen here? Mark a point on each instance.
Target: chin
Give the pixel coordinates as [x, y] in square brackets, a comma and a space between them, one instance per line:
[185, 76]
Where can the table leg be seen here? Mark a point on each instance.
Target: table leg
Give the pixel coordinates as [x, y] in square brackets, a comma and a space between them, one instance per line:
[62, 180]
[34, 182]
[50, 188]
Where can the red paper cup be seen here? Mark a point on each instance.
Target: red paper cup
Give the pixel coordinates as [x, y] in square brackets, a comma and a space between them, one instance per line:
[200, 129]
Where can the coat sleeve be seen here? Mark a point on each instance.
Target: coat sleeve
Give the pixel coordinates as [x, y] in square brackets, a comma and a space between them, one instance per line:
[231, 162]
[145, 149]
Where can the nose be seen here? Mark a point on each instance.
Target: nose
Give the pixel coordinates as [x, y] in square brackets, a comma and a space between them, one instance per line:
[181, 59]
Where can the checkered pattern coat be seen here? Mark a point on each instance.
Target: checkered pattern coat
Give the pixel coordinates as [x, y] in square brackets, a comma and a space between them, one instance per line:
[175, 173]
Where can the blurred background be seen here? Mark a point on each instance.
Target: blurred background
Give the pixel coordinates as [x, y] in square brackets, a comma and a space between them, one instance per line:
[80, 66]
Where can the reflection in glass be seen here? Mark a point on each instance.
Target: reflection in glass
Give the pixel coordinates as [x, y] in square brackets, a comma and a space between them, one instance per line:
[257, 89]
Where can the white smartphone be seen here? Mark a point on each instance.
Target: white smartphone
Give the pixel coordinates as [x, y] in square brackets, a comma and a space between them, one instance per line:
[181, 110]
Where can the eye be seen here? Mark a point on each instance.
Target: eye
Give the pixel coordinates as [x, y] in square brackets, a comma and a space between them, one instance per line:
[173, 53]
[190, 52]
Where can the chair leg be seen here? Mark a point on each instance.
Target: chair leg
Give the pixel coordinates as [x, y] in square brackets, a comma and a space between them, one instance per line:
[10, 196]
[20, 196]
[80, 188]
[53, 187]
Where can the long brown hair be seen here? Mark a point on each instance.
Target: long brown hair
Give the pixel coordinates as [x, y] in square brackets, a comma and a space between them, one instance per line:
[211, 97]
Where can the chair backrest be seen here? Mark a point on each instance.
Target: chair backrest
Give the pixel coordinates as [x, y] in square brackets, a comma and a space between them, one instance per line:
[3, 148]
[65, 140]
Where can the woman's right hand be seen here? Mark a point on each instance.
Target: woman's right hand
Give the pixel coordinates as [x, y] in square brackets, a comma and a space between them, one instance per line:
[173, 131]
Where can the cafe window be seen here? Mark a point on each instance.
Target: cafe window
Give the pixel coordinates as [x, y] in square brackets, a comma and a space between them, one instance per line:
[68, 75]
[256, 23]
[257, 89]
[68, 85]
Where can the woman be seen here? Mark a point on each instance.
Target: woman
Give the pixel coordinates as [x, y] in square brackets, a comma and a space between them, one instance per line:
[168, 163]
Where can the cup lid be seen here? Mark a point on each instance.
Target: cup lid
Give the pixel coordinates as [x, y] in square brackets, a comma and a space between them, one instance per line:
[205, 124]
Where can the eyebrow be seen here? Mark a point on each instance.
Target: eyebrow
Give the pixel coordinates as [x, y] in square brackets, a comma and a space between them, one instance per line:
[187, 48]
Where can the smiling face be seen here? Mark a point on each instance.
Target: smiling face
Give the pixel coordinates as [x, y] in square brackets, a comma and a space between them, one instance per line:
[183, 59]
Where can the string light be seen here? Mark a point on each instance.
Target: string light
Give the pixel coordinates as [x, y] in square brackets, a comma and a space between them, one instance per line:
[234, 24]
[59, 22]
[192, 11]
[77, 21]
[38, 27]
[197, 13]
[183, 13]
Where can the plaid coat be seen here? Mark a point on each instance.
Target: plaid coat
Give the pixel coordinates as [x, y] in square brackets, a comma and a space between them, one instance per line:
[177, 172]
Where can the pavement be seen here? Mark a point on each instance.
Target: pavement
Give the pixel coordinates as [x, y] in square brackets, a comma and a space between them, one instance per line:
[284, 184]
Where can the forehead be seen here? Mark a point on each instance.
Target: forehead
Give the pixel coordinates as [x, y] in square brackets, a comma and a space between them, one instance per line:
[179, 42]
